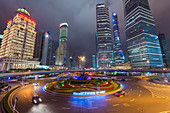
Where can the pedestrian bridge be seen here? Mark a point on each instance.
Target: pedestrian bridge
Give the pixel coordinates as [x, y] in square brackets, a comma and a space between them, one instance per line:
[66, 71]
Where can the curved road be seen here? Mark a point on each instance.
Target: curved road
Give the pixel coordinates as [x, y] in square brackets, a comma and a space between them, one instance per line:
[142, 97]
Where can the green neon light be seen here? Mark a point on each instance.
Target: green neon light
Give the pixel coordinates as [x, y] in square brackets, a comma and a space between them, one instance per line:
[24, 11]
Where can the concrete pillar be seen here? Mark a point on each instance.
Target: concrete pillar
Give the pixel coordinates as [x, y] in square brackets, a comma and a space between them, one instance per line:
[8, 67]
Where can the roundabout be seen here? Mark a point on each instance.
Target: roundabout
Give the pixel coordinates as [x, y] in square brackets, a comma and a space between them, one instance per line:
[83, 86]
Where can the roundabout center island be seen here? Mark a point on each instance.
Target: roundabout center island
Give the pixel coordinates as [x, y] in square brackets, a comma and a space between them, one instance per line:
[83, 86]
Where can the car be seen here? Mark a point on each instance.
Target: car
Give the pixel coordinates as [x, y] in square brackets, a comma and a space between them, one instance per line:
[36, 99]
[26, 83]
[123, 79]
[120, 93]
[36, 84]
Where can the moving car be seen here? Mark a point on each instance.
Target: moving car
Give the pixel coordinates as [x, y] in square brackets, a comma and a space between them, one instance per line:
[36, 99]
[124, 79]
[120, 93]
[36, 84]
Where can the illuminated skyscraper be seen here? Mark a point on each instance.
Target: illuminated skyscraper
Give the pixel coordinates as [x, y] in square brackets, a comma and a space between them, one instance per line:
[18, 41]
[164, 49]
[1, 37]
[62, 53]
[142, 41]
[104, 38]
[118, 53]
[94, 61]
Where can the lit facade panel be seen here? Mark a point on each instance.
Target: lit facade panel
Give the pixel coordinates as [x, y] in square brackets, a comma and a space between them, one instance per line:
[104, 38]
[142, 42]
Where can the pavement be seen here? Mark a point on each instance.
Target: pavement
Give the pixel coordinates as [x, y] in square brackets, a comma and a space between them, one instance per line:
[142, 97]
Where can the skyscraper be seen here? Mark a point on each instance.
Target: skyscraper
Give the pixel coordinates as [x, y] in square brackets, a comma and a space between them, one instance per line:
[17, 46]
[62, 53]
[142, 41]
[97, 64]
[38, 46]
[104, 38]
[45, 48]
[118, 53]
[1, 37]
[164, 49]
[94, 61]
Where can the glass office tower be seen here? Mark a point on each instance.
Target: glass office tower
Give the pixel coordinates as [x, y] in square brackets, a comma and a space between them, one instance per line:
[164, 49]
[62, 53]
[104, 38]
[118, 53]
[142, 41]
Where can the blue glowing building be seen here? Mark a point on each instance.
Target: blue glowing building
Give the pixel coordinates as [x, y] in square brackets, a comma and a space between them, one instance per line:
[118, 53]
[142, 41]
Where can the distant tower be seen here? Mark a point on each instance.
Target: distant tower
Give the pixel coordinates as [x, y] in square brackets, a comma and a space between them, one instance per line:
[1, 37]
[142, 41]
[104, 37]
[97, 64]
[45, 48]
[62, 53]
[118, 53]
[94, 61]
[164, 49]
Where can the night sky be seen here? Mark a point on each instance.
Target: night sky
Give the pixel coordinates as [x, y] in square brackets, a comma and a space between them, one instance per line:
[81, 18]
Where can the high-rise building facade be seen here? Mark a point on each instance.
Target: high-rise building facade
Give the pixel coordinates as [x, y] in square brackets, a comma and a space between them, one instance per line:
[62, 53]
[17, 47]
[38, 46]
[104, 37]
[19, 37]
[1, 37]
[118, 53]
[142, 41]
[94, 61]
[97, 64]
[164, 49]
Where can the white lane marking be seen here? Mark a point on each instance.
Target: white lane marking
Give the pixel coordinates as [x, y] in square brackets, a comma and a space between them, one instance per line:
[139, 95]
[126, 104]
[115, 105]
[65, 108]
[108, 99]
[93, 108]
[53, 99]
[132, 100]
